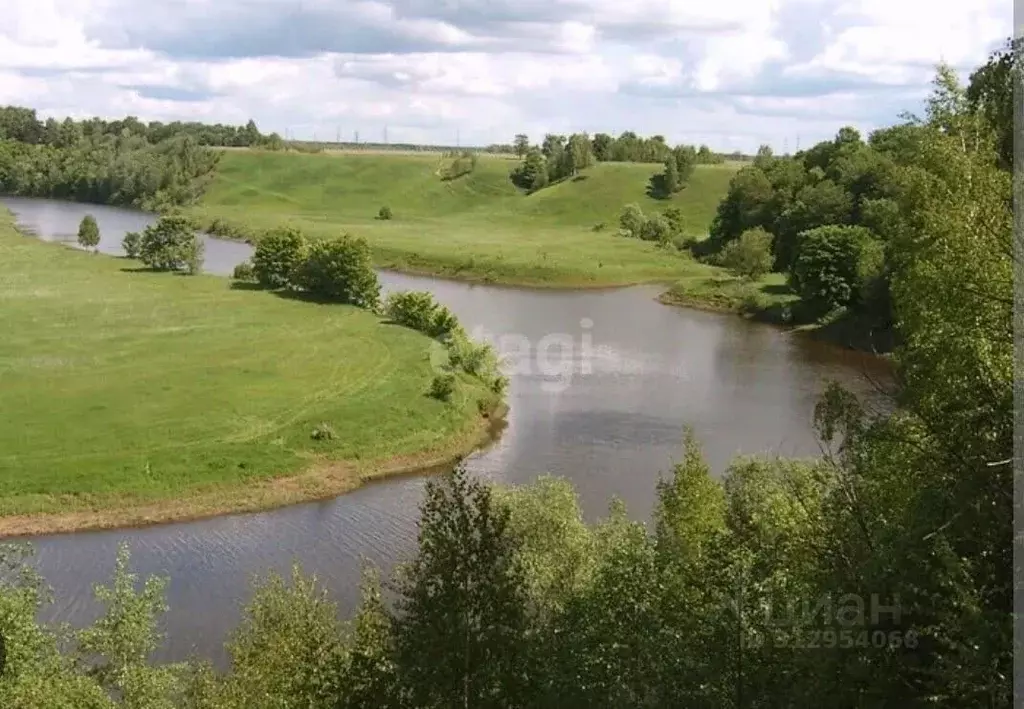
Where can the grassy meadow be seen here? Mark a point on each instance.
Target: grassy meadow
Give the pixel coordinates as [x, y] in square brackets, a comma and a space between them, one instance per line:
[476, 227]
[131, 396]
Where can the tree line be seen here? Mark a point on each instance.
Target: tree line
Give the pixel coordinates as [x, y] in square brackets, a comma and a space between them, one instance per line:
[836, 218]
[561, 157]
[22, 125]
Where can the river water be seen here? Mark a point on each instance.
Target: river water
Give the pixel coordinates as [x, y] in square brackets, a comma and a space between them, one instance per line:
[602, 385]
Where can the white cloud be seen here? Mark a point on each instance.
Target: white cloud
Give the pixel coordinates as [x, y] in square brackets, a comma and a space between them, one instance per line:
[731, 73]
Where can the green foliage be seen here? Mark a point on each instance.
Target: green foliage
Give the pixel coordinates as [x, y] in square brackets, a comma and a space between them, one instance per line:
[88, 232]
[370, 677]
[670, 178]
[107, 168]
[340, 270]
[632, 220]
[289, 650]
[521, 144]
[532, 173]
[244, 272]
[656, 228]
[442, 386]
[278, 256]
[834, 265]
[990, 94]
[750, 256]
[132, 244]
[171, 244]
[419, 310]
[462, 602]
[463, 164]
[384, 213]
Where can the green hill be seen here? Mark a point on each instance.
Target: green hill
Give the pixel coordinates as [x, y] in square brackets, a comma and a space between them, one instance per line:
[476, 226]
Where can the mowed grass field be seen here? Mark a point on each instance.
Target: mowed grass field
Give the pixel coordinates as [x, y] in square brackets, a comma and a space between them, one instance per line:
[130, 396]
[478, 226]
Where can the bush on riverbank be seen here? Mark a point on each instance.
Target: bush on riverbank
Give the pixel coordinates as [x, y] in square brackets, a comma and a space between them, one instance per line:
[418, 310]
[340, 270]
[278, 257]
[171, 244]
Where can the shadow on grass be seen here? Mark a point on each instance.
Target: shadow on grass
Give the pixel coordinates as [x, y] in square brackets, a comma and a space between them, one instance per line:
[656, 188]
[580, 178]
[776, 289]
[244, 285]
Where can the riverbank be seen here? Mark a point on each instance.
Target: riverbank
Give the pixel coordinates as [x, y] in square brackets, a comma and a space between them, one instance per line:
[769, 300]
[133, 397]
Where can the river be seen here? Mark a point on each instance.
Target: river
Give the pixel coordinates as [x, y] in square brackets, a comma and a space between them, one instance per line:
[602, 384]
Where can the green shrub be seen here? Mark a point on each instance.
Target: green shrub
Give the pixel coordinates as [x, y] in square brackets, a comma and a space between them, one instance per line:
[442, 386]
[676, 220]
[835, 266]
[132, 244]
[418, 310]
[384, 213]
[194, 252]
[88, 232]
[656, 228]
[600, 226]
[340, 270]
[749, 256]
[171, 244]
[244, 272]
[631, 220]
[278, 256]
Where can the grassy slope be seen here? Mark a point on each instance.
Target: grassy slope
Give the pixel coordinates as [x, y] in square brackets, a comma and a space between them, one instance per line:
[478, 226]
[124, 389]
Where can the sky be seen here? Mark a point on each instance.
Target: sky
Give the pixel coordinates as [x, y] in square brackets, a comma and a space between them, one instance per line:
[733, 74]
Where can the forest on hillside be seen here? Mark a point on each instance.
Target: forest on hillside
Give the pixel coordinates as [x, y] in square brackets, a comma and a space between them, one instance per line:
[880, 575]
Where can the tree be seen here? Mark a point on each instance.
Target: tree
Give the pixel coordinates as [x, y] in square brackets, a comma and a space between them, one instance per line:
[686, 161]
[745, 205]
[552, 145]
[521, 144]
[288, 650]
[750, 256]
[278, 256]
[532, 173]
[834, 264]
[602, 147]
[656, 228]
[370, 677]
[670, 178]
[990, 94]
[341, 270]
[632, 220]
[462, 602]
[88, 232]
[171, 244]
[580, 149]
[132, 244]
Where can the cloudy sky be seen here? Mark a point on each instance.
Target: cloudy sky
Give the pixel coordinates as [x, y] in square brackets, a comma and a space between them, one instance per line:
[729, 73]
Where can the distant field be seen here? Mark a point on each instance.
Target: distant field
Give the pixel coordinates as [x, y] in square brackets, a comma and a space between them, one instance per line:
[131, 396]
[478, 226]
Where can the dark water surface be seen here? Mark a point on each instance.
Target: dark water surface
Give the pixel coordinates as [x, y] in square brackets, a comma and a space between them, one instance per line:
[602, 384]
